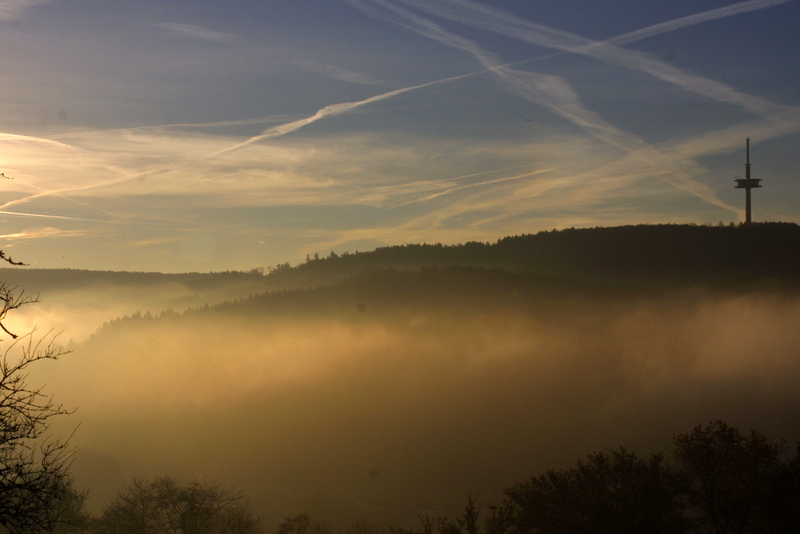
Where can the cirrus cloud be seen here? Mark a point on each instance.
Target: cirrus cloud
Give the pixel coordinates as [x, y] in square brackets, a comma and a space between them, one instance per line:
[15, 9]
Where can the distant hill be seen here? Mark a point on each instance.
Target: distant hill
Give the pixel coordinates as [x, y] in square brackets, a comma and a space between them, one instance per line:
[658, 253]
[543, 274]
[643, 255]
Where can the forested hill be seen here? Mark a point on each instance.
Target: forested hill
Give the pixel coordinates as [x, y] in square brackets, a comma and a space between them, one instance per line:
[553, 276]
[649, 254]
[679, 253]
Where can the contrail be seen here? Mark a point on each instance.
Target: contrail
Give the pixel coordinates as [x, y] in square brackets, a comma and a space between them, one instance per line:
[460, 187]
[576, 114]
[185, 184]
[546, 90]
[44, 192]
[331, 110]
[691, 20]
[40, 216]
[554, 39]
[672, 25]
[560, 40]
[549, 91]
[16, 137]
[498, 21]
[84, 219]
[216, 124]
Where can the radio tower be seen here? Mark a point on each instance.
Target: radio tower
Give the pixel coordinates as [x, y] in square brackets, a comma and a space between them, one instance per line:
[747, 184]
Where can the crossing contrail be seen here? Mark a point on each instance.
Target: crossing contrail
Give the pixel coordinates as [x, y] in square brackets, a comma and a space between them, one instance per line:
[502, 22]
[556, 94]
[332, 110]
[554, 39]
[691, 20]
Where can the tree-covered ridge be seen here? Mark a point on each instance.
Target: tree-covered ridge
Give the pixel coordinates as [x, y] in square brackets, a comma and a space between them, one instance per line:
[672, 252]
[547, 271]
[666, 253]
[388, 294]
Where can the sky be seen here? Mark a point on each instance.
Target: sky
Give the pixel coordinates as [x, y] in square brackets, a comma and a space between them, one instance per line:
[203, 135]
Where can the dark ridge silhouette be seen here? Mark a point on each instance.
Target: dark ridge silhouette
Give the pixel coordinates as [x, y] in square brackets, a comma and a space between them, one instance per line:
[668, 252]
[645, 254]
[546, 272]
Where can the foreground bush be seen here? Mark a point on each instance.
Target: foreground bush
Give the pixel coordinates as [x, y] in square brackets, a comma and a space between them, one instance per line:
[166, 506]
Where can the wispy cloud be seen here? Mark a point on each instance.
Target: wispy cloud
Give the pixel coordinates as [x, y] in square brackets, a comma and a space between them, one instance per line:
[338, 73]
[552, 92]
[674, 163]
[505, 147]
[15, 9]
[44, 232]
[544, 89]
[196, 32]
[175, 125]
[330, 111]
[30, 160]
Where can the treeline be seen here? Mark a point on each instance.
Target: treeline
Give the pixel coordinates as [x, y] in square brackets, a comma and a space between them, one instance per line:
[661, 254]
[677, 253]
[388, 293]
[381, 292]
[716, 480]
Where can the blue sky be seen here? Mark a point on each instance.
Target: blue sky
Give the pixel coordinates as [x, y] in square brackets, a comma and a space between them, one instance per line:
[210, 135]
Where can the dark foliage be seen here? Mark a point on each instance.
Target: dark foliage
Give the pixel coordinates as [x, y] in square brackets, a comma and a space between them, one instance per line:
[721, 482]
[164, 505]
[643, 254]
[676, 254]
[611, 492]
[737, 483]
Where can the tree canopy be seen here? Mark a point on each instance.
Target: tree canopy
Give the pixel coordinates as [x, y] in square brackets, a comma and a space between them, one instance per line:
[165, 505]
[719, 481]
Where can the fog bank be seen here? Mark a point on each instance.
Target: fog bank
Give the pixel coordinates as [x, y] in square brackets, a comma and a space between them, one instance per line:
[387, 414]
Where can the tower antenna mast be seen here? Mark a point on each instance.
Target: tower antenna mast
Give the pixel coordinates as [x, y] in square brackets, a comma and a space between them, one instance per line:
[747, 184]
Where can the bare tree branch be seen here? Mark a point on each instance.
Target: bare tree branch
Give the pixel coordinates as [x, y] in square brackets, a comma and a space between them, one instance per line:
[4, 257]
[35, 482]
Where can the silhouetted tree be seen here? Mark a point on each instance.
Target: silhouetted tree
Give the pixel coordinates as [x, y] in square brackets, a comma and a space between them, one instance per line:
[611, 492]
[784, 511]
[737, 483]
[73, 516]
[164, 505]
[299, 524]
[466, 523]
[34, 467]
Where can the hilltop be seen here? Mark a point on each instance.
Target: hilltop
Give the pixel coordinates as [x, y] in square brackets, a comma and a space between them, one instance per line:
[634, 257]
[663, 252]
[542, 274]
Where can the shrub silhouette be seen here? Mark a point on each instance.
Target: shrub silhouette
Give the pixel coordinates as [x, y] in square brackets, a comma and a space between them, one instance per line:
[737, 483]
[608, 492]
[165, 505]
